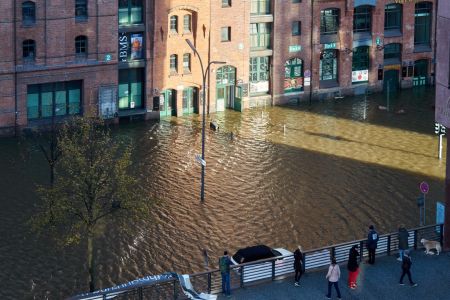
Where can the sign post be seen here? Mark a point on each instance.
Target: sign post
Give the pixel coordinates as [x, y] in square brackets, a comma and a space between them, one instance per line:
[424, 188]
[440, 215]
[439, 129]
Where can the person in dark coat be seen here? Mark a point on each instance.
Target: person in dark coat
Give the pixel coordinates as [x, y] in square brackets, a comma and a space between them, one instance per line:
[403, 236]
[298, 265]
[353, 266]
[372, 243]
[406, 269]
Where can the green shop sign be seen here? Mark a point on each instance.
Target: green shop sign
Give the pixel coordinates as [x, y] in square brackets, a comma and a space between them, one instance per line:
[329, 46]
[295, 48]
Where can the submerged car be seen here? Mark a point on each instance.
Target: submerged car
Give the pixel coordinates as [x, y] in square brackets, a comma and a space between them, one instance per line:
[262, 270]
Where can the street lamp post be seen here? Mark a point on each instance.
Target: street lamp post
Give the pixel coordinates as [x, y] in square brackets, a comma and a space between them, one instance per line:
[204, 74]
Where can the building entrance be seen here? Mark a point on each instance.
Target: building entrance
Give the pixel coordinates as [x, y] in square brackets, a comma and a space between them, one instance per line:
[225, 88]
[168, 103]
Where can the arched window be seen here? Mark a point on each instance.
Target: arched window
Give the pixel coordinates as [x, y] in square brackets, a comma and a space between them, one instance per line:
[186, 63]
[174, 63]
[187, 27]
[293, 75]
[393, 17]
[329, 21]
[29, 50]
[422, 24]
[174, 23]
[28, 12]
[81, 46]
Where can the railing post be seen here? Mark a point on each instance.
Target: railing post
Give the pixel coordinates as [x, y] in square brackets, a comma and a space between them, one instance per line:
[209, 282]
[303, 263]
[140, 293]
[389, 245]
[104, 297]
[415, 239]
[273, 270]
[175, 292]
[242, 276]
[361, 254]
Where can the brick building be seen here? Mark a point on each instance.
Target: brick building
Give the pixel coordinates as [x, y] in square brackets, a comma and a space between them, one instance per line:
[130, 58]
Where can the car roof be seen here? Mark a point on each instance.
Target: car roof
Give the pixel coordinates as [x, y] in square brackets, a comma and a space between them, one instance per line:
[253, 253]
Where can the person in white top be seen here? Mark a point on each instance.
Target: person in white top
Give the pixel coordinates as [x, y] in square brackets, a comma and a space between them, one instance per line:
[333, 275]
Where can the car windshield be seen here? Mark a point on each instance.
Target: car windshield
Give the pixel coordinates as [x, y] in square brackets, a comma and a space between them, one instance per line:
[250, 254]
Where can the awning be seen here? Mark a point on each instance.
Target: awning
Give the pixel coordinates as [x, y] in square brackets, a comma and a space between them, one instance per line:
[365, 2]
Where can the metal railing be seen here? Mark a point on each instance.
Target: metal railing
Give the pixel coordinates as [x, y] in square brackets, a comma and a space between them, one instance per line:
[279, 267]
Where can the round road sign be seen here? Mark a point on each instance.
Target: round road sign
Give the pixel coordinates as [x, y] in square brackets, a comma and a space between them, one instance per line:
[424, 187]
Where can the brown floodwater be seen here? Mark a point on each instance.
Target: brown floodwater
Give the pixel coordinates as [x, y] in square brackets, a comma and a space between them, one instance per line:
[310, 175]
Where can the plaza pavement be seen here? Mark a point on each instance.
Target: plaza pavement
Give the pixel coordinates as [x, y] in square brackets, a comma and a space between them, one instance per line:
[379, 281]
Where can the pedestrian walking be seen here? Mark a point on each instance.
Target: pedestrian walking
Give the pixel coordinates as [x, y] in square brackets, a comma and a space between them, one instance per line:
[333, 275]
[224, 266]
[403, 236]
[298, 265]
[353, 267]
[372, 243]
[406, 269]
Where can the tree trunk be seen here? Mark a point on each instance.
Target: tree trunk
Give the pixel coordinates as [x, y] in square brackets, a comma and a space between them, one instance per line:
[91, 266]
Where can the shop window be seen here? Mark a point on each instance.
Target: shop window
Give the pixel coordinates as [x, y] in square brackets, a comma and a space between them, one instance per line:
[131, 88]
[260, 7]
[130, 12]
[329, 21]
[29, 50]
[187, 63]
[293, 75]
[28, 13]
[360, 64]
[174, 24]
[296, 28]
[81, 45]
[174, 63]
[259, 75]
[53, 99]
[81, 11]
[422, 24]
[328, 65]
[393, 18]
[260, 35]
[226, 75]
[362, 19]
[187, 21]
[225, 34]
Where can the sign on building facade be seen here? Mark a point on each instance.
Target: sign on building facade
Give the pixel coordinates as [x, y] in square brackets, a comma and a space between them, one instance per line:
[107, 102]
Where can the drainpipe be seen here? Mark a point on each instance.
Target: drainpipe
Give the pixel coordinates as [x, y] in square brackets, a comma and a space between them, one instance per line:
[435, 37]
[312, 53]
[15, 70]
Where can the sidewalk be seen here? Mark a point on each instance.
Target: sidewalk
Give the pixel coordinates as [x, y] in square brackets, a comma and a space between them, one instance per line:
[379, 281]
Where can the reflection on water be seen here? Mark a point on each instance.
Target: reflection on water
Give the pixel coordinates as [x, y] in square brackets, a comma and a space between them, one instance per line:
[286, 176]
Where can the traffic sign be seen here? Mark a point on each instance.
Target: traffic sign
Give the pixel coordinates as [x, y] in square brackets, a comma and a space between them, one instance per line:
[424, 187]
[201, 161]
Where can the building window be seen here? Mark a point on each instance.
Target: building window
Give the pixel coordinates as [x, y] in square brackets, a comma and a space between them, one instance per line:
[296, 1]
[226, 3]
[187, 23]
[260, 7]
[392, 53]
[28, 12]
[328, 65]
[422, 24]
[259, 75]
[260, 35]
[393, 17]
[296, 28]
[225, 34]
[360, 60]
[173, 23]
[81, 45]
[293, 75]
[362, 19]
[329, 21]
[226, 75]
[130, 12]
[174, 63]
[53, 99]
[81, 9]
[187, 63]
[29, 50]
[131, 88]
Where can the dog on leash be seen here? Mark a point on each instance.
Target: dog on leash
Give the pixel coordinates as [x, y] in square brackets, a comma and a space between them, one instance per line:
[431, 245]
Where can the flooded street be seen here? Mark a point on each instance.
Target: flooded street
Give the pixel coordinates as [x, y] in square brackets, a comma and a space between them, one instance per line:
[280, 176]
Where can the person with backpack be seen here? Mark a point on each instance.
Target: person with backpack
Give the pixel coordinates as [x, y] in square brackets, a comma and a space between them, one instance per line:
[298, 265]
[372, 243]
[406, 269]
[353, 267]
[403, 236]
[224, 266]
[333, 275]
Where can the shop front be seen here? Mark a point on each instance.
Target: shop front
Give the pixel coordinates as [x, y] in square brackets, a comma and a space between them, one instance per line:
[420, 72]
[226, 88]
